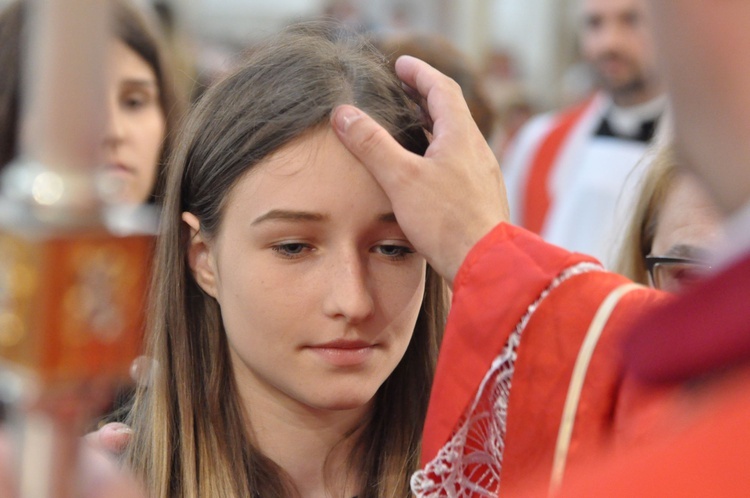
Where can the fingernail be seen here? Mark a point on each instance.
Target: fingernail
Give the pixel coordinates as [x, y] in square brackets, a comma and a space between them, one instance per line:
[123, 430]
[344, 116]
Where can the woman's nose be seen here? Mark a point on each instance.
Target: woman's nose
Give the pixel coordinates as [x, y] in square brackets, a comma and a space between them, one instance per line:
[114, 132]
[348, 293]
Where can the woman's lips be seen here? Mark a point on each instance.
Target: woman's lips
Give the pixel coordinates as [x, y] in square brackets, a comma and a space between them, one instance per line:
[119, 168]
[344, 353]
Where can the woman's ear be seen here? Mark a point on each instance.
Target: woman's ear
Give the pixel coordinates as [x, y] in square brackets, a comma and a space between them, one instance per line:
[200, 258]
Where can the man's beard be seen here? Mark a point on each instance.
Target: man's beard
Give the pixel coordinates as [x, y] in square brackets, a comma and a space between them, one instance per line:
[634, 84]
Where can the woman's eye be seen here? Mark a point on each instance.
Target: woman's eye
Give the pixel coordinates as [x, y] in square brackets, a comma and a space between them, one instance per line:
[687, 276]
[135, 101]
[291, 249]
[394, 251]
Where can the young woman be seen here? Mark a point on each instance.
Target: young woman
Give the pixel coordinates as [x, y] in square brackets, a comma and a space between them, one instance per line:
[143, 104]
[294, 328]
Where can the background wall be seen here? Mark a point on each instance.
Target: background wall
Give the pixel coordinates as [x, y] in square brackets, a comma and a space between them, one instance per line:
[537, 34]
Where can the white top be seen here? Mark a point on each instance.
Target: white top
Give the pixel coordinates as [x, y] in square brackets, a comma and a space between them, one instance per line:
[593, 180]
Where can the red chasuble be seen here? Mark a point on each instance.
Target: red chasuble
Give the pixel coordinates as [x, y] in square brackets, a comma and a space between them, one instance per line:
[520, 311]
[698, 347]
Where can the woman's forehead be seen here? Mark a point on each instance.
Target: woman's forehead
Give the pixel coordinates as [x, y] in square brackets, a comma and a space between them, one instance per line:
[314, 170]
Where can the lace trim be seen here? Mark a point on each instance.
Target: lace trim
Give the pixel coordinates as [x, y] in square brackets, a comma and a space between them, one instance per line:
[469, 464]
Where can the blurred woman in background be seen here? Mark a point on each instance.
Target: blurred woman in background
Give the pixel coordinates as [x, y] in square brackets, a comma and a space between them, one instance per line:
[143, 103]
[673, 229]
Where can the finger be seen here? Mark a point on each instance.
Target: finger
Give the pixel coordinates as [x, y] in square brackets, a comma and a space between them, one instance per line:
[381, 154]
[445, 103]
[424, 115]
[112, 438]
[408, 68]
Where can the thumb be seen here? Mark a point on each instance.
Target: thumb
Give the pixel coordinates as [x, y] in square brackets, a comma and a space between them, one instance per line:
[369, 142]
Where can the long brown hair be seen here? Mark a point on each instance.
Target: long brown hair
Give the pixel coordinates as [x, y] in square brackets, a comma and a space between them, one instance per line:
[129, 26]
[190, 427]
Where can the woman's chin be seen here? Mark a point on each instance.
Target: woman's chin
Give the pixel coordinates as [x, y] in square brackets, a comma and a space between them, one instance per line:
[343, 402]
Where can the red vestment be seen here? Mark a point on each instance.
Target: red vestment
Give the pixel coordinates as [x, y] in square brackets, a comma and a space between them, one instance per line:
[520, 311]
[697, 346]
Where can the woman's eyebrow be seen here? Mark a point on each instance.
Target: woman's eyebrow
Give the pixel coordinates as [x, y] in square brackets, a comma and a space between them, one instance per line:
[139, 82]
[387, 218]
[290, 215]
[688, 251]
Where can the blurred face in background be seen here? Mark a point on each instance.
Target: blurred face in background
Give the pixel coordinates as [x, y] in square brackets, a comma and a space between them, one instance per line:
[616, 40]
[688, 228]
[135, 126]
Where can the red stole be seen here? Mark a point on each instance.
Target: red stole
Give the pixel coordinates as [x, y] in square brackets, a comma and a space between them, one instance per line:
[537, 197]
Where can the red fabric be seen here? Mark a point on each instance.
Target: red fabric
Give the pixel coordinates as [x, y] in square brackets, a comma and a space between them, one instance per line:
[502, 276]
[536, 196]
[544, 367]
[488, 302]
[703, 451]
[720, 303]
[703, 443]
[696, 440]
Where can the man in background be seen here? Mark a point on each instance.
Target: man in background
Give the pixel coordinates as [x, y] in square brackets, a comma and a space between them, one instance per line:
[566, 172]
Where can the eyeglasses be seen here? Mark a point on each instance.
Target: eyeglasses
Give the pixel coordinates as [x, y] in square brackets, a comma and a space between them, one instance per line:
[674, 274]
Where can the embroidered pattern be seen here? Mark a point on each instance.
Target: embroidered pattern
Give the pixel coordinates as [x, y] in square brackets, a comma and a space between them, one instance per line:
[469, 464]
